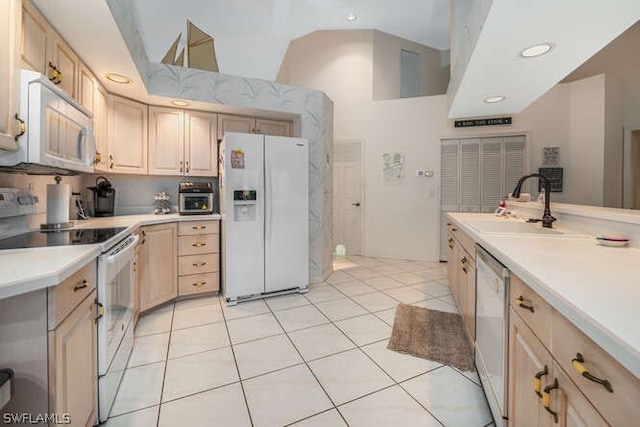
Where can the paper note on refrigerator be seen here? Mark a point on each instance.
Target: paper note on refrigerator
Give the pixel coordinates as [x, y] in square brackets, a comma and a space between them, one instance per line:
[237, 159]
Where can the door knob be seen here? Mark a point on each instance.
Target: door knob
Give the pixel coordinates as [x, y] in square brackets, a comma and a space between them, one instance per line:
[355, 204]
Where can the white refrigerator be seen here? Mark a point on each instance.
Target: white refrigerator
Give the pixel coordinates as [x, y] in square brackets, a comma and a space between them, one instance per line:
[264, 200]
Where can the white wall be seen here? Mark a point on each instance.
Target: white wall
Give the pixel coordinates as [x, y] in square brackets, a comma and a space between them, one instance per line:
[401, 219]
[434, 76]
[338, 63]
[584, 179]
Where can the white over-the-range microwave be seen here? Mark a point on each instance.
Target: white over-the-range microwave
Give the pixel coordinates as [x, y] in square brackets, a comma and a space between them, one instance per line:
[58, 133]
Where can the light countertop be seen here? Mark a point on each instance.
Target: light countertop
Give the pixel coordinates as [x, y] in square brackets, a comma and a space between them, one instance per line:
[26, 270]
[597, 288]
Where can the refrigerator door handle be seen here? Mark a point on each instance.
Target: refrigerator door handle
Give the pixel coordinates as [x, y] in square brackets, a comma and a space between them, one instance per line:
[268, 200]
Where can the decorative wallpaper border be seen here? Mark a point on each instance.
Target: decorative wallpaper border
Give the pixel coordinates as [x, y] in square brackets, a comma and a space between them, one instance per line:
[314, 108]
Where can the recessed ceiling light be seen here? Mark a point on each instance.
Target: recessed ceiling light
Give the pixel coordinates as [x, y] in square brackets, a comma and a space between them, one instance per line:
[536, 50]
[118, 78]
[494, 99]
[351, 17]
[179, 103]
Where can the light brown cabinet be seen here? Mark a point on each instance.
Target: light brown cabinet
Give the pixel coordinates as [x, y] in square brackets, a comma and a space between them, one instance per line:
[230, 123]
[10, 15]
[72, 347]
[544, 345]
[158, 265]
[198, 257]
[182, 142]
[127, 144]
[461, 273]
[43, 50]
[101, 127]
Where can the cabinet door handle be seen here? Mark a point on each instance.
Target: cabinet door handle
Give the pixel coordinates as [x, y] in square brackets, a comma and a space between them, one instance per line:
[546, 399]
[199, 264]
[578, 365]
[537, 380]
[100, 310]
[180, 167]
[450, 243]
[98, 158]
[55, 75]
[520, 303]
[197, 285]
[187, 167]
[84, 284]
[110, 162]
[144, 237]
[22, 128]
[199, 227]
[199, 244]
[463, 264]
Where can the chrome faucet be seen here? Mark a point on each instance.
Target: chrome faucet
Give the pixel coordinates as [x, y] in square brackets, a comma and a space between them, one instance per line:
[547, 219]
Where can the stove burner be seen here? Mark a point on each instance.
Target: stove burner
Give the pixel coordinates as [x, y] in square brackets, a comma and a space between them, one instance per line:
[78, 236]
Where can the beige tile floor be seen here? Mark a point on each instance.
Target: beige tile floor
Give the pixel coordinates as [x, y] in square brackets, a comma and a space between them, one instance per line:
[318, 359]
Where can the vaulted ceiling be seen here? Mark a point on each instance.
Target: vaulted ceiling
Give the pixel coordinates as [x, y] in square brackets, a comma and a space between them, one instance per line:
[251, 36]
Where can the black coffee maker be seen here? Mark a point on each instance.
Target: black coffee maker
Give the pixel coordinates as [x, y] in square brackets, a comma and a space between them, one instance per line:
[104, 197]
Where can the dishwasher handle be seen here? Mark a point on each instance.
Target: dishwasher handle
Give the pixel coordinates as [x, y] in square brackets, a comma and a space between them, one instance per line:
[483, 255]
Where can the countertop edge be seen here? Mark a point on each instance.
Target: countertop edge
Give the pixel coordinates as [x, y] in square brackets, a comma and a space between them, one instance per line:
[626, 355]
[62, 271]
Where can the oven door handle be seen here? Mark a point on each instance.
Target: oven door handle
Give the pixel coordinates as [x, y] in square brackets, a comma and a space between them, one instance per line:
[122, 251]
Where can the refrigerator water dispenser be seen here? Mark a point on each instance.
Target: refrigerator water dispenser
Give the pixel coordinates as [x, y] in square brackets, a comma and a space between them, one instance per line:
[244, 205]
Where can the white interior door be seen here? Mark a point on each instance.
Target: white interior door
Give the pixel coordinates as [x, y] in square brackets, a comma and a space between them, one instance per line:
[347, 196]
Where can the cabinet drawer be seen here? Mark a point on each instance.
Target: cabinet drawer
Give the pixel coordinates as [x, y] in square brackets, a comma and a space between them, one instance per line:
[187, 228]
[618, 407]
[65, 296]
[465, 241]
[198, 283]
[194, 264]
[535, 311]
[200, 244]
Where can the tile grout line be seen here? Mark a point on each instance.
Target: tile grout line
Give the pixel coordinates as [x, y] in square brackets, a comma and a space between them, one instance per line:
[166, 363]
[385, 372]
[235, 361]
[309, 367]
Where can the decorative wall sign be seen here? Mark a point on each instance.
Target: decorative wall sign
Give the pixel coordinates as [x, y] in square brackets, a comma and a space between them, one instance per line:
[393, 168]
[550, 156]
[554, 175]
[482, 122]
[201, 52]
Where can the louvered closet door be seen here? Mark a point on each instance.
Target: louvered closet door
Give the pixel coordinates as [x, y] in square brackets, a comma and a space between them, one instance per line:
[514, 161]
[470, 175]
[449, 182]
[449, 175]
[492, 174]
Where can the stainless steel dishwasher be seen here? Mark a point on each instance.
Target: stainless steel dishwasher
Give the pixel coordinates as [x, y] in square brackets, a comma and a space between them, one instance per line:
[492, 331]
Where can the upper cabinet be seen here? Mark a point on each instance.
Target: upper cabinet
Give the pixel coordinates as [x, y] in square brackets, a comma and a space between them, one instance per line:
[182, 142]
[127, 144]
[10, 14]
[273, 127]
[229, 123]
[43, 50]
[200, 144]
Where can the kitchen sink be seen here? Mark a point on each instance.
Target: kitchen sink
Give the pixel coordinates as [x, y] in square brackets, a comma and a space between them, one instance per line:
[507, 226]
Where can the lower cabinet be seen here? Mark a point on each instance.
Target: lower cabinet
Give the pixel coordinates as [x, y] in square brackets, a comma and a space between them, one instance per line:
[158, 265]
[461, 272]
[72, 365]
[540, 393]
[559, 376]
[198, 257]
